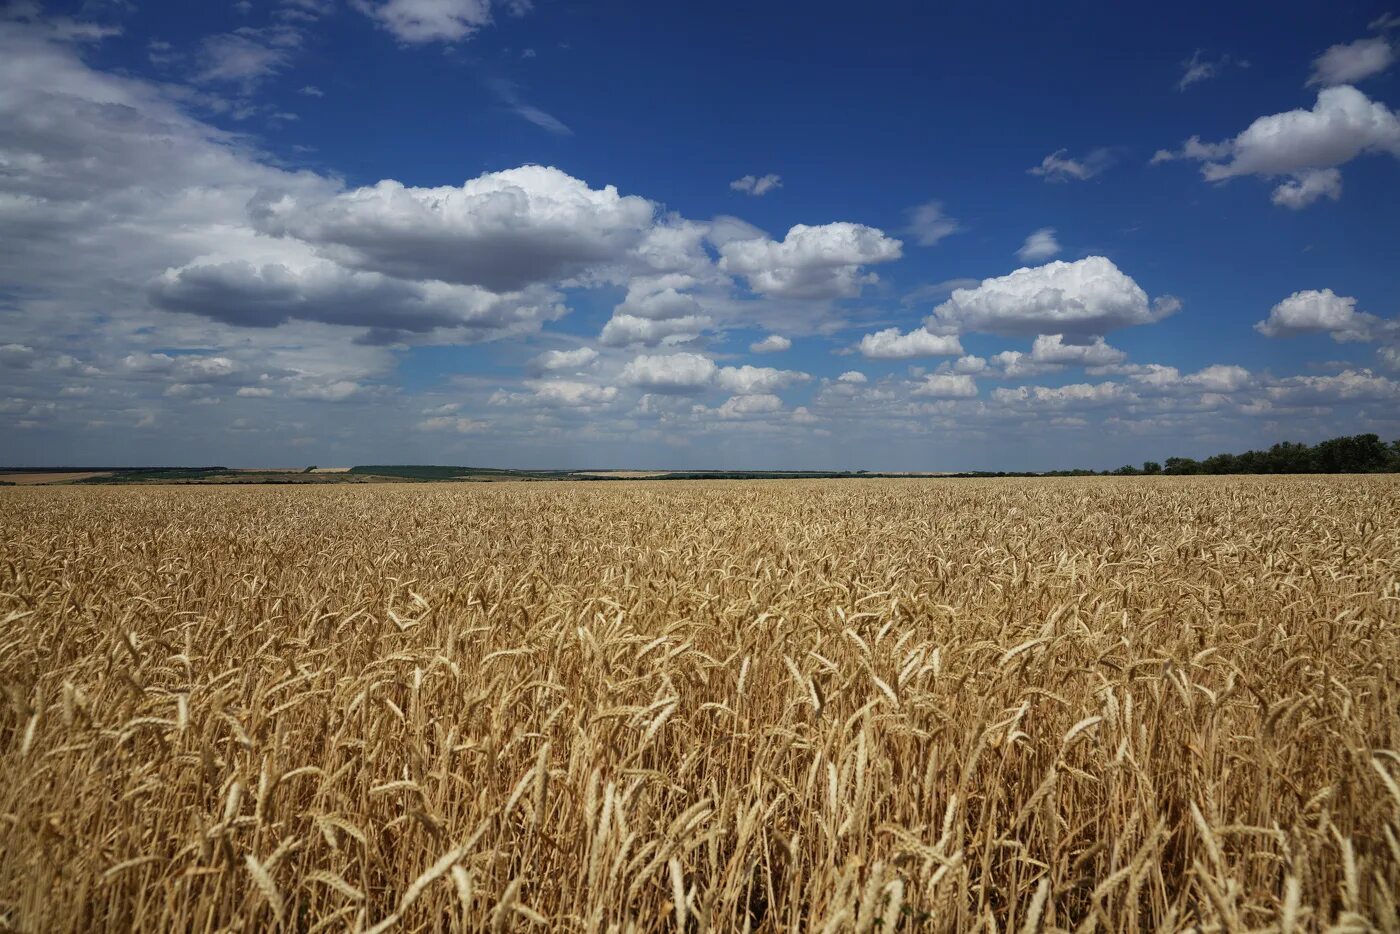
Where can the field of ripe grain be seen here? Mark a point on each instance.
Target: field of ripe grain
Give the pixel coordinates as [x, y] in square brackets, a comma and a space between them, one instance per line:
[916, 705]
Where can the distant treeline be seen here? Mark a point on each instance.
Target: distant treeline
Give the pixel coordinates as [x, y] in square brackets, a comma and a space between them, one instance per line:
[1348, 454]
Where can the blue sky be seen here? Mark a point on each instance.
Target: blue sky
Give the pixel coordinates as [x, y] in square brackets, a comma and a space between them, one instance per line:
[554, 235]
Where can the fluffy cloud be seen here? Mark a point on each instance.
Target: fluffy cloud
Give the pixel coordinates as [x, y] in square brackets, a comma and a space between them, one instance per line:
[552, 361]
[747, 380]
[1052, 349]
[852, 376]
[670, 373]
[1308, 186]
[1343, 124]
[1347, 386]
[1058, 167]
[929, 224]
[1322, 312]
[1075, 395]
[891, 344]
[743, 406]
[1041, 244]
[571, 393]
[1079, 300]
[820, 262]
[501, 231]
[946, 386]
[1350, 62]
[435, 20]
[773, 343]
[624, 330]
[757, 185]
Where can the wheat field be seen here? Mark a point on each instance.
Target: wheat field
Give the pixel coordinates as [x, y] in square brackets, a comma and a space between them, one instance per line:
[915, 705]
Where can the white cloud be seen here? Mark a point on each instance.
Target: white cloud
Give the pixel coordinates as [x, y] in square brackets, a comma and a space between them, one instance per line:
[1219, 378]
[1041, 244]
[1307, 186]
[622, 330]
[773, 343]
[891, 344]
[1347, 386]
[1059, 167]
[670, 373]
[1321, 312]
[501, 230]
[1075, 395]
[311, 90]
[556, 360]
[819, 262]
[742, 406]
[746, 380]
[758, 186]
[1080, 300]
[946, 386]
[435, 20]
[1342, 125]
[1052, 349]
[929, 224]
[1350, 62]
[852, 376]
[571, 393]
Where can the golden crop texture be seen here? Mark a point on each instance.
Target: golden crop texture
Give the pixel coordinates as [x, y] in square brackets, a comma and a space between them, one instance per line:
[916, 705]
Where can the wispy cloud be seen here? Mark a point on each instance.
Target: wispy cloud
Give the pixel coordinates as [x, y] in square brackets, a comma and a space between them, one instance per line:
[509, 94]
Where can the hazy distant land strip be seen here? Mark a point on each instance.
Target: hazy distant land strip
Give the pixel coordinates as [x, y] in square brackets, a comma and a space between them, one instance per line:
[1365, 453]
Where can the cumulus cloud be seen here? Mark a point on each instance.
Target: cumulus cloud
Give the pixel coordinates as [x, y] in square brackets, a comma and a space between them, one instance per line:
[622, 330]
[773, 343]
[552, 361]
[745, 380]
[502, 230]
[1350, 62]
[1075, 395]
[852, 376]
[892, 344]
[1323, 311]
[1342, 125]
[1308, 186]
[929, 224]
[1041, 244]
[1347, 386]
[1060, 167]
[1052, 349]
[571, 393]
[744, 406]
[946, 386]
[670, 373]
[1079, 300]
[757, 185]
[416, 21]
[821, 262]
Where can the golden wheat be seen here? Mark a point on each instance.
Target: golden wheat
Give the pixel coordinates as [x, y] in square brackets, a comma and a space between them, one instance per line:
[912, 705]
